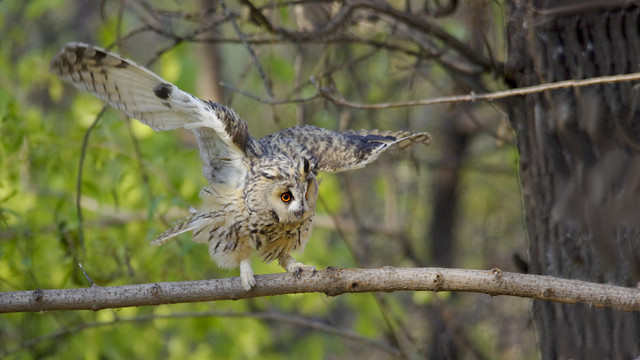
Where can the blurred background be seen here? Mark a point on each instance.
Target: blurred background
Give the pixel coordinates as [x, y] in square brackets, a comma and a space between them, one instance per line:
[456, 203]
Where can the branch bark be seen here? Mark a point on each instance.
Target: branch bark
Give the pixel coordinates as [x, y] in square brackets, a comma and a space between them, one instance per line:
[332, 282]
[333, 96]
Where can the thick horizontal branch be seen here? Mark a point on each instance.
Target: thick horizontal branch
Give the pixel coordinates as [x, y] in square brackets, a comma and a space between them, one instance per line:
[332, 282]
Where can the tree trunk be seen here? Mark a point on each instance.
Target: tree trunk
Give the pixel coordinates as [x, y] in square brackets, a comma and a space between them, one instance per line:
[580, 166]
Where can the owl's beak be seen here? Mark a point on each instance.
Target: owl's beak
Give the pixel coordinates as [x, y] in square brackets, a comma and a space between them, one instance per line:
[298, 213]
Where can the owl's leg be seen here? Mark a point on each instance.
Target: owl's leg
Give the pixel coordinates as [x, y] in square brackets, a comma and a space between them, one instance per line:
[293, 266]
[246, 274]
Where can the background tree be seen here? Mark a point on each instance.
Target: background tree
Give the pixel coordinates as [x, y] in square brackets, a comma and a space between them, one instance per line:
[579, 165]
[284, 63]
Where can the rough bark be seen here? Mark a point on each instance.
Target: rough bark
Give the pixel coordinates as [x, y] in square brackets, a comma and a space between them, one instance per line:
[332, 282]
[580, 166]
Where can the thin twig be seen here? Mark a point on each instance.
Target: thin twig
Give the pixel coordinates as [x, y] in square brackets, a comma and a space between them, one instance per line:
[85, 275]
[339, 100]
[382, 8]
[83, 153]
[268, 101]
[246, 44]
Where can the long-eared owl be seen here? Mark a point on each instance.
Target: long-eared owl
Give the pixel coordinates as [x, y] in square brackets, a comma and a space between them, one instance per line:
[262, 193]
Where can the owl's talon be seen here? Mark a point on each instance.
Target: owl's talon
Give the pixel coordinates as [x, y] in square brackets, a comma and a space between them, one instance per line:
[297, 268]
[248, 282]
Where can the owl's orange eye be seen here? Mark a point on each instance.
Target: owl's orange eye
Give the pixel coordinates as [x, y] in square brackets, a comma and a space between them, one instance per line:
[286, 197]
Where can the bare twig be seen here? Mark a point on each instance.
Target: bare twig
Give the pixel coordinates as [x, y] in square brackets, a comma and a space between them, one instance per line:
[268, 101]
[85, 275]
[252, 54]
[344, 15]
[83, 153]
[331, 95]
[332, 282]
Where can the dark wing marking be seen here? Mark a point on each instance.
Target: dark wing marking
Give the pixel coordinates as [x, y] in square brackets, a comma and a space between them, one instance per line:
[340, 151]
[222, 136]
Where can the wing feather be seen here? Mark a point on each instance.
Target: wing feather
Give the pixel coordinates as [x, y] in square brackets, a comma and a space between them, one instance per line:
[341, 151]
[139, 93]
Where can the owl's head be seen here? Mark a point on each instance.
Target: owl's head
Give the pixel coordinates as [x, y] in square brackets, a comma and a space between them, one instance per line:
[290, 192]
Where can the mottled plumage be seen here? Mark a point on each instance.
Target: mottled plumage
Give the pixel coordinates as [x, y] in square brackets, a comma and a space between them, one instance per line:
[262, 193]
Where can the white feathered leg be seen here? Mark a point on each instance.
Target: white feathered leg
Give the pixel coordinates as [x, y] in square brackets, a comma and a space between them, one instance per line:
[246, 274]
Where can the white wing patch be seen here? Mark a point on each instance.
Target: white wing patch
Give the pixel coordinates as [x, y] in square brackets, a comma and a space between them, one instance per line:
[143, 95]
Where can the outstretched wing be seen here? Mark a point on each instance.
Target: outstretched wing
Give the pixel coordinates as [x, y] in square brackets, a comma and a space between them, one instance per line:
[222, 136]
[340, 151]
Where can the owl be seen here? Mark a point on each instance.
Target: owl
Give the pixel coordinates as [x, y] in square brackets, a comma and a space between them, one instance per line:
[262, 194]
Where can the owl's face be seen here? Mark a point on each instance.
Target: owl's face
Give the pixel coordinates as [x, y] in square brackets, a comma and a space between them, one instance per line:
[292, 202]
[291, 191]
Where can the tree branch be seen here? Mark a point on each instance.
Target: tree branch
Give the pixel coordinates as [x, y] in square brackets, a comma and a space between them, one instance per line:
[331, 95]
[332, 282]
[420, 23]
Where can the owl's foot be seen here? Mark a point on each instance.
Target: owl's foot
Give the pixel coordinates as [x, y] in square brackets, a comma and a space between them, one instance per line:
[246, 275]
[291, 265]
[301, 267]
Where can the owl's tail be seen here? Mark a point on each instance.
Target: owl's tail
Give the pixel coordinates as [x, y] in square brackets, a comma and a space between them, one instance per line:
[187, 224]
